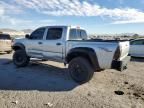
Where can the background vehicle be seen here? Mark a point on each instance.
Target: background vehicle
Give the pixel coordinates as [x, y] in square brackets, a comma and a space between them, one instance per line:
[5, 43]
[137, 48]
[70, 45]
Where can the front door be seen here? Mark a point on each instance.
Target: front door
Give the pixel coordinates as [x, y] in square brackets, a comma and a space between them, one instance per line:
[35, 43]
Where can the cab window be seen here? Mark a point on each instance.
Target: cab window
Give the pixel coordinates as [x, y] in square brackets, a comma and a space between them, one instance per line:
[38, 34]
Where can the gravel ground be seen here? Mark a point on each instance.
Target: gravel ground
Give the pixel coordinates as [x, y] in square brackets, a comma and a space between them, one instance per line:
[47, 84]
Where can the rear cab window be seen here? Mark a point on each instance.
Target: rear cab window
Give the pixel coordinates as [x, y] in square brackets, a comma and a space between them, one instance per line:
[77, 34]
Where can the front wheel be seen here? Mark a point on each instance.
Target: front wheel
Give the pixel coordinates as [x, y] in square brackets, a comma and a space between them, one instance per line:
[20, 58]
[80, 70]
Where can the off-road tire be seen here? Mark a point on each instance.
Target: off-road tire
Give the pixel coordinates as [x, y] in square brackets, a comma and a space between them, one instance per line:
[80, 70]
[20, 58]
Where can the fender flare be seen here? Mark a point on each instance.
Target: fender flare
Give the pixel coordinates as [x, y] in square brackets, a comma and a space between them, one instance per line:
[82, 51]
[18, 46]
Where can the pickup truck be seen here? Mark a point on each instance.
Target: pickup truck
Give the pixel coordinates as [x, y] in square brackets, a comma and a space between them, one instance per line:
[71, 45]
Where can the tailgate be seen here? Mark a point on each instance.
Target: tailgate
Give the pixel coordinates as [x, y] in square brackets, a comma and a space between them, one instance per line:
[124, 49]
[5, 44]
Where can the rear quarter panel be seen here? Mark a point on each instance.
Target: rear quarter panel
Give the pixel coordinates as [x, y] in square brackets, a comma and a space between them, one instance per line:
[104, 51]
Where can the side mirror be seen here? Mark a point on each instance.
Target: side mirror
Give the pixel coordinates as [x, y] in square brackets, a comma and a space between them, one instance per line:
[27, 36]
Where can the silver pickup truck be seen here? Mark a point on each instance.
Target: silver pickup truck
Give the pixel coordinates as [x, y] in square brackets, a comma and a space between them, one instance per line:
[71, 46]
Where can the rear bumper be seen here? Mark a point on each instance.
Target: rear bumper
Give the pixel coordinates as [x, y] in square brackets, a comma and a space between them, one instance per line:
[120, 65]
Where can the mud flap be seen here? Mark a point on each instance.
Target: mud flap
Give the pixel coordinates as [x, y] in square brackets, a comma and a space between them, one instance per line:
[120, 65]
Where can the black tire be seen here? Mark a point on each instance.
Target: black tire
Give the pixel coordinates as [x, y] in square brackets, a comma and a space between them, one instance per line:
[80, 70]
[20, 58]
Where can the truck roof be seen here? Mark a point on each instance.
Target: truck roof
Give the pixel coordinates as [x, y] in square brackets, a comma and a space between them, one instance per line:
[74, 27]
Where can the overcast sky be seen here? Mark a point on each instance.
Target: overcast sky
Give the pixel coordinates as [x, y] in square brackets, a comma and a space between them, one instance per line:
[96, 16]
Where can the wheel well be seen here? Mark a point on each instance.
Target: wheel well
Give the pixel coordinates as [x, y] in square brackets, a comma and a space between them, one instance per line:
[17, 48]
[87, 53]
[78, 54]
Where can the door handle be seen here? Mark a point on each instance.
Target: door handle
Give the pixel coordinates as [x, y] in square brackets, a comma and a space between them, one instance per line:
[58, 44]
[40, 43]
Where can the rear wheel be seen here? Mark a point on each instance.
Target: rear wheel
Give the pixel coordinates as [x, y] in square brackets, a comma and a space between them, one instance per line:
[20, 58]
[80, 70]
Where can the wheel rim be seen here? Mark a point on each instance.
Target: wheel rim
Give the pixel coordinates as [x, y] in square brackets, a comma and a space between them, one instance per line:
[77, 72]
[19, 59]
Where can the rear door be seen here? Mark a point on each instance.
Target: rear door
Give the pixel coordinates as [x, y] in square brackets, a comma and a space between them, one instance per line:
[137, 48]
[53, 45]
[35, 43]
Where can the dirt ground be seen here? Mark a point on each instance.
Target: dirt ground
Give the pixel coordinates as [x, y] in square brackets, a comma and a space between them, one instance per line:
[48, 84]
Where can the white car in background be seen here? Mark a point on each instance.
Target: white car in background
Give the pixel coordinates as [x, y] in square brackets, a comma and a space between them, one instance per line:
[137, 48]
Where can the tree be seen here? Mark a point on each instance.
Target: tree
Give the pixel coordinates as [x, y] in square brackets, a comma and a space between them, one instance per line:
[1, 32]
